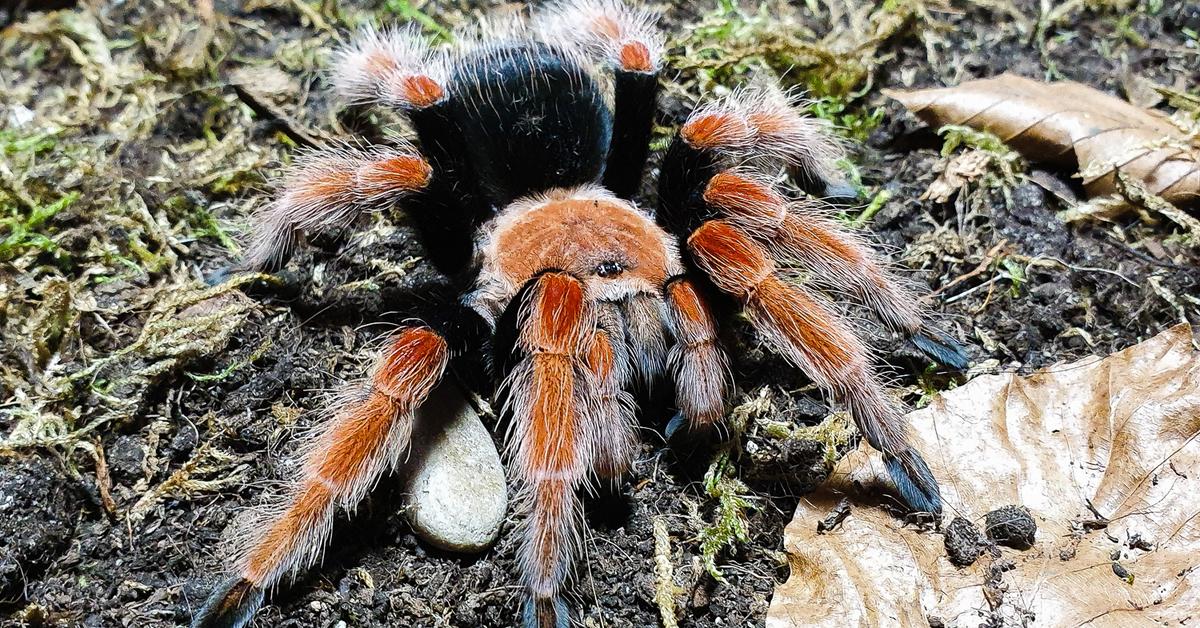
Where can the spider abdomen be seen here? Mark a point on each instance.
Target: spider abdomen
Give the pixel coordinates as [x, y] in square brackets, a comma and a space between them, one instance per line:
[516, 96]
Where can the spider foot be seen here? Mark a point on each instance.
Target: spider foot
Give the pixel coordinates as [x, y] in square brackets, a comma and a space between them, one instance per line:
[685, 435]
[915, 481]
[231, 605]
[942, 348]
[219, 276]
[546, 613]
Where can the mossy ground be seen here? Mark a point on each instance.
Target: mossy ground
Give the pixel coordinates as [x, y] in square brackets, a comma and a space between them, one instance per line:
[142, 409]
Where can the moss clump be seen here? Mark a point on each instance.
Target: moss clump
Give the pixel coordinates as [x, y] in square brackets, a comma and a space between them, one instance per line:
[729, 525]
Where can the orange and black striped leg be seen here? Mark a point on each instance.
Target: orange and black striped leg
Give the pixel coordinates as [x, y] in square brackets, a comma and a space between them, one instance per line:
[799, 326]
[551, 401]
[330, 190]
[614, 431]
[697, 362]
[749, 125]
[762, 121]
[798, 232]
[628, 41]
[393, 66]
[365, 438]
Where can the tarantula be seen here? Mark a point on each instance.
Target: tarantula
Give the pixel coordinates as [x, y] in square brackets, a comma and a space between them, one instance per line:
[533, 140]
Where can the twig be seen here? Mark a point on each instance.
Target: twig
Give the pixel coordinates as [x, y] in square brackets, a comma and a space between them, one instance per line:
[103, 479]
[988, 258]
[664, 588]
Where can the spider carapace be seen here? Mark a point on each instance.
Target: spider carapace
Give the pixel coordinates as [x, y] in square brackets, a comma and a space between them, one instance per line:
[533, 137]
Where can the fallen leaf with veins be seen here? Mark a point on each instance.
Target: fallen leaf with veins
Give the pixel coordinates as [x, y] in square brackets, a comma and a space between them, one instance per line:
[1073, 126]
[1120, 435]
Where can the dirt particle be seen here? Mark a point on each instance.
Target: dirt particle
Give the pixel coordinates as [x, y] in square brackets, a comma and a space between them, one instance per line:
[1121, 572]
[1011, 526]
[962, 542]
[835, 518]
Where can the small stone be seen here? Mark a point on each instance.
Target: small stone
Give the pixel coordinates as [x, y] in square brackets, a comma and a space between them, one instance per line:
[1121, 572]
[1012, 526]
[962, 542]
[454, 477]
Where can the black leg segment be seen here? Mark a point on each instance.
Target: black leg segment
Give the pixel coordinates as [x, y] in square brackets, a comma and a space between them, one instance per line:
[635, 95]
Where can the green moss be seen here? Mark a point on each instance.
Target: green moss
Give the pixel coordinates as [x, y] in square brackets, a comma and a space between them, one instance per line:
[855, 123]
[729, 526]
[933, 381]
[25, 229]
[836, 433]
[955, 136]
[408, 11]
[12, 143]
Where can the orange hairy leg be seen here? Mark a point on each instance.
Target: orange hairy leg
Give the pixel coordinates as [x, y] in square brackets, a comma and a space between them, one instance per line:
[615, 431]
[800, 327]
[697, 363]
[836, 256]
[331, 190]
[365, 437]
[838, 259]
[550, 398]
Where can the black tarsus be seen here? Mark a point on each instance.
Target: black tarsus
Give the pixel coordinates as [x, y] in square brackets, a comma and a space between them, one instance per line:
[941, 348]
[635, 95]
[546, 613]
[231, 605]
[918, 488]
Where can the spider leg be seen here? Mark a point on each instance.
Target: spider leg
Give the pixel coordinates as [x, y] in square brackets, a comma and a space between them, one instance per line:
[699, 183]
[608, 361]
[330, 190]
[644, 329]
[762, 122]
[626, 40]
[551, 400]
[392, 66]
[697, 362]
[799, 326]
[800, 232]
[367, 436]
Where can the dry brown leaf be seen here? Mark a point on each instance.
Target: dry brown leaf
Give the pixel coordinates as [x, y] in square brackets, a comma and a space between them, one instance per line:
[1071, 125]
[962, 169]
[1121, 432]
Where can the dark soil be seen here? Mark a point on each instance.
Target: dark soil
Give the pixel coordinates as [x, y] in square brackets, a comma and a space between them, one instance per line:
[117, 494]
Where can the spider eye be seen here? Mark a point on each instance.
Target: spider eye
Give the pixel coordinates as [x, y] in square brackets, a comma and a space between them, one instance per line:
[610, 268]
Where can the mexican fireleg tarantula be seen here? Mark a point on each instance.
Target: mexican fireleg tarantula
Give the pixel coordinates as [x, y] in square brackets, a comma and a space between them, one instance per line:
[529, 156]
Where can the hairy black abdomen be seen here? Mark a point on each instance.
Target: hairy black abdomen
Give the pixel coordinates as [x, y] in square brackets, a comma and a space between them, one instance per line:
[532, 119]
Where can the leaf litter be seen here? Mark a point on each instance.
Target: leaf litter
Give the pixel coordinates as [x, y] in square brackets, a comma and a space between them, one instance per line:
[1073, 126]
[1102, 453]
